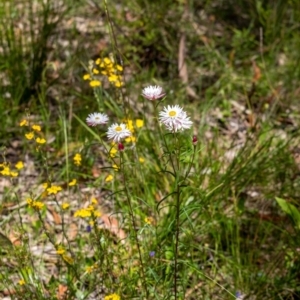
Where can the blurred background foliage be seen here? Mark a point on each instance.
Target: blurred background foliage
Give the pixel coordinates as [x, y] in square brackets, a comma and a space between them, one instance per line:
[229, 62]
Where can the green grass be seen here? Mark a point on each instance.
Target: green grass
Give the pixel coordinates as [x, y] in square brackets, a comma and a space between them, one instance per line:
[178, 221]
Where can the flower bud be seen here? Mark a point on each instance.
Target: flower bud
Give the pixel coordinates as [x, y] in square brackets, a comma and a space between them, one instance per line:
[194, 140]
[120, 147]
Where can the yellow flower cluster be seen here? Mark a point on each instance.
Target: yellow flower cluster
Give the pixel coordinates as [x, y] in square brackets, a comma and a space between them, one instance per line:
[23, 123]
[107, 68]
[65, 205]
[38, 205]
[149, 220]
[92, 268]
[109, 178]
[50, 189]
[6, 171]
[139, 123]
[35, 130]
[62, 252]
[19, 165]
[73, 182]
[53, 189]
[112, 297]
[22, 282]
[131, 126]
[77, 159]
[90, 211]
[113, 150]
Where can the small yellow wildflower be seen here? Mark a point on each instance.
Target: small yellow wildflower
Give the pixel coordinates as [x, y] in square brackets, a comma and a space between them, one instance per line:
[73, 182]
[38, 205]
[129, 124]
[22, 282]
[112, 297]
[141, 160]
[86, 77]
[91, 268]
[119, 68]
[95, 83]
[77, 159]
[29, 136]
[60, 250]
[65, 206]
[107, 61]
[139, 123]
[23, 123]
[19, 165]
[116, 167]
[40, 140]
[90, 208]
[112, 78]
[119, 83]
[95, 71]
[98, 61]
[54, 189]
[109, 178]
[131, 139]
[82, 213]
[112, 152]
[45, 185]
[14, 174]
[94, 201]
[149, 220]
[36, 127]
[97, 214]
[5, 171]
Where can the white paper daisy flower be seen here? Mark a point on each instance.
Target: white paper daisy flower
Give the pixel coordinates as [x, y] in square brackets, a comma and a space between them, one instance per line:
[95, 119]
[153, 92]
[175, 118]
[117, 132]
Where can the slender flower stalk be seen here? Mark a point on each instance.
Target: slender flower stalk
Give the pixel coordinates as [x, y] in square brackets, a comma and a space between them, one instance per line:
[133, 220]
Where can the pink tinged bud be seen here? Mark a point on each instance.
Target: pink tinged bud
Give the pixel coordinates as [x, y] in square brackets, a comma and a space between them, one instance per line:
[194, 140]
[120, 147]
[153, 92]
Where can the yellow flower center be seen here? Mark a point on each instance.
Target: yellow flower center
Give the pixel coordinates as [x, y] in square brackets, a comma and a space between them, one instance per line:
[118, 128]
[172, 113]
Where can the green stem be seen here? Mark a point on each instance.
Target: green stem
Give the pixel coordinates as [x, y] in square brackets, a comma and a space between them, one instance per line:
[190, 165]
[176, 239]
[135, 229]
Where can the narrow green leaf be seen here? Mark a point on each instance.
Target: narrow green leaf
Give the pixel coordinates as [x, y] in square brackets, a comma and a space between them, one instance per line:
[291, 210]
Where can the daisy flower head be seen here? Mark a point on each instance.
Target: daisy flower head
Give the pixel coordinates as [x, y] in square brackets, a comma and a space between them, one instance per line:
[117, 132]
[153, 92]
[175, 118]
[95, 119]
